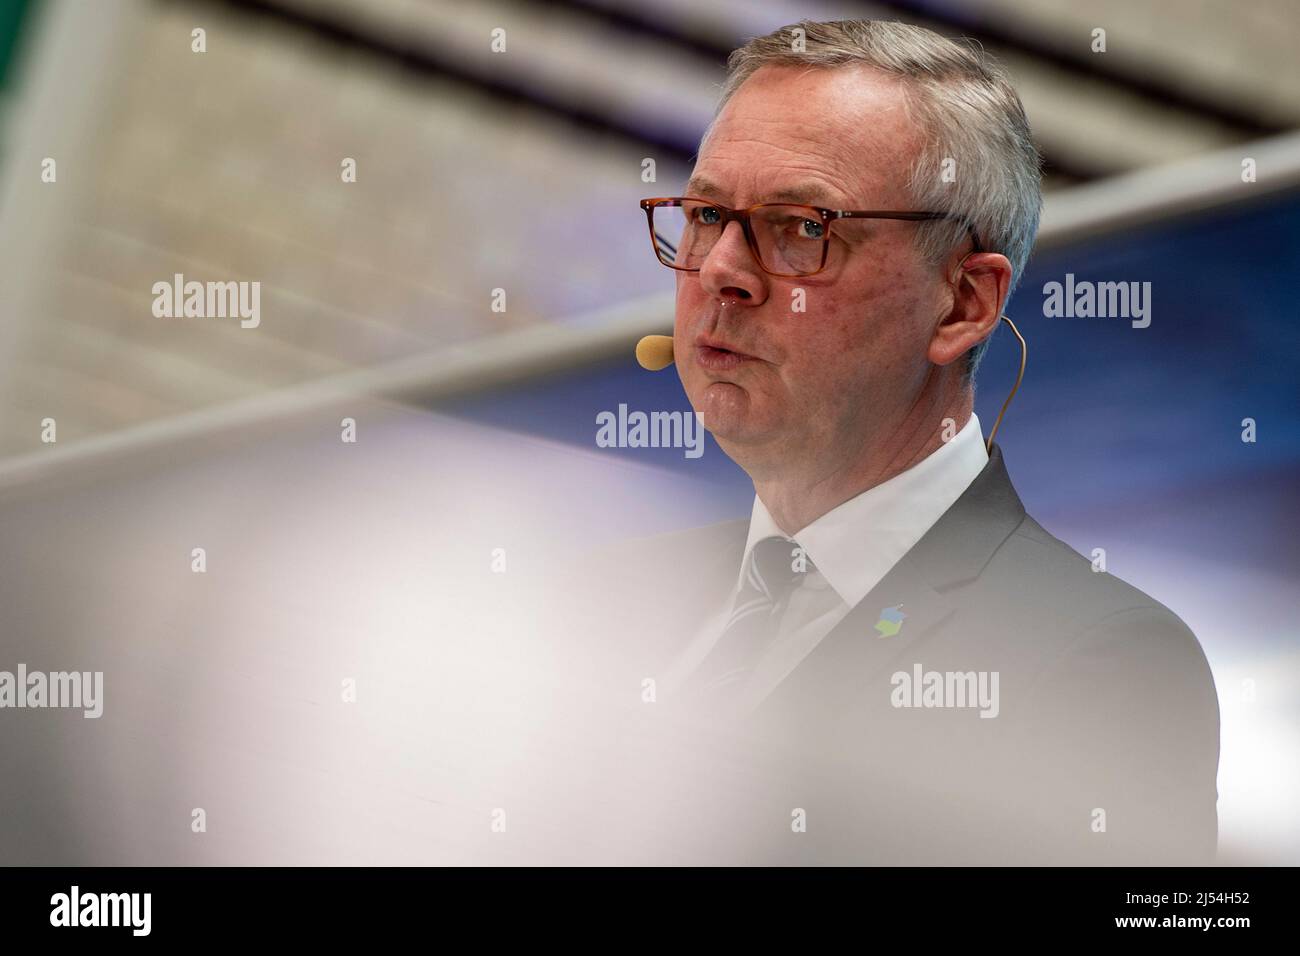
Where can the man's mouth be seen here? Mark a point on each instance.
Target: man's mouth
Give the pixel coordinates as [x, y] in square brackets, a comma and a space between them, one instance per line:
[717, 356]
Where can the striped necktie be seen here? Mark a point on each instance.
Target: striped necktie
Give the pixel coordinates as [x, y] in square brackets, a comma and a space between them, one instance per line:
[774, 569]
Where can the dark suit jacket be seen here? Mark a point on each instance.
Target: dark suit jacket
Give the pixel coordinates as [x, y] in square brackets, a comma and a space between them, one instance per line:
[1104, 749]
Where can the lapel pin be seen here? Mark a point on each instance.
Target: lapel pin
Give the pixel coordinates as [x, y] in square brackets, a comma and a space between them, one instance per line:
[891, 621]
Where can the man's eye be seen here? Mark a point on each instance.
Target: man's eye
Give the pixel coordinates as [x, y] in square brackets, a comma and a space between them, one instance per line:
[811, 229]
[708, 216]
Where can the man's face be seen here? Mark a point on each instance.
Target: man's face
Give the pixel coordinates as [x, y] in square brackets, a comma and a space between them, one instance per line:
[772, 382]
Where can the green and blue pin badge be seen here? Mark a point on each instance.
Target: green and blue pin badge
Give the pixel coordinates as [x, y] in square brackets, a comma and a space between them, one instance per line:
[891, 621]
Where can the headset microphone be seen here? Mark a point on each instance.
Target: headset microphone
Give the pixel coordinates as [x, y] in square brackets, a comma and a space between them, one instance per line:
[655, 352]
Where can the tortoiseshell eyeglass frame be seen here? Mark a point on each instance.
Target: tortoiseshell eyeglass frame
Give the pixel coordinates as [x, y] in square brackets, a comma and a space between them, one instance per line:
[827, 216]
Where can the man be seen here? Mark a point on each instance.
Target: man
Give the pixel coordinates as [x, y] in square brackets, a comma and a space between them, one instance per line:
[920, 673]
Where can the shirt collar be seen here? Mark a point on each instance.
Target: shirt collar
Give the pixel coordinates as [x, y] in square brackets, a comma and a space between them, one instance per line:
[856, 543]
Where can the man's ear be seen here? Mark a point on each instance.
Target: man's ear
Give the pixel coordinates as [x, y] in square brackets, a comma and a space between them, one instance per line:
[979, 289]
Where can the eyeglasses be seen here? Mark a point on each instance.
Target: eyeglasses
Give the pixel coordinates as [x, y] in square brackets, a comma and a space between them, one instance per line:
[786, 239]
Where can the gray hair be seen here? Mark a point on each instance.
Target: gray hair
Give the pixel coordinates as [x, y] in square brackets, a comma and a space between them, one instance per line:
[970, 115]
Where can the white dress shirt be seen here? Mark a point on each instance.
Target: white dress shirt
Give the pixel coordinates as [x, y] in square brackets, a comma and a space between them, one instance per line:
[853, 546]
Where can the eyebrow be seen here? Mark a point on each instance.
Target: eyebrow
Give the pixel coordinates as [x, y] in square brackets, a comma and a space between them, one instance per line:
[808, 194]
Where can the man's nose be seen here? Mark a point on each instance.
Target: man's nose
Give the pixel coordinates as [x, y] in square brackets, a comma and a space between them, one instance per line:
[730, 270]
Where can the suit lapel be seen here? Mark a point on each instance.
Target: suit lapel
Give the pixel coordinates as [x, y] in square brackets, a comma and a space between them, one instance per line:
[955, 549]
[840, 664]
